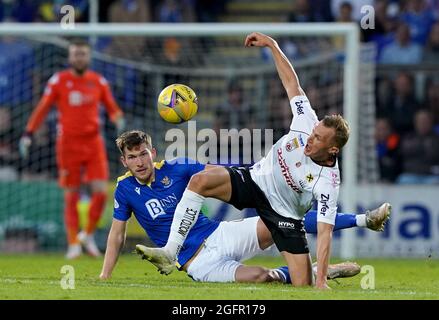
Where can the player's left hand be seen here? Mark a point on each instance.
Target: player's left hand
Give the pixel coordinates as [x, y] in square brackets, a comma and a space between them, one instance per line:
[322, 285]
[120, 125]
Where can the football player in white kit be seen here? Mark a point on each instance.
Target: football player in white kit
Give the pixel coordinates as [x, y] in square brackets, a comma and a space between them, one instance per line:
[300, 168]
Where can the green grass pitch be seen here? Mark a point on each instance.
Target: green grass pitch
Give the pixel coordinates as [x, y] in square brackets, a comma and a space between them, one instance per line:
[39, 277]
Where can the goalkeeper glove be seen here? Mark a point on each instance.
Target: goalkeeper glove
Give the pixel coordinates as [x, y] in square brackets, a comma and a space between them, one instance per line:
[24, 144]
[120, 125]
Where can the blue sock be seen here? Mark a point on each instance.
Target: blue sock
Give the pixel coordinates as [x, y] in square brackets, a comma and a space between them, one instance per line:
[284, 274]
[342, 221]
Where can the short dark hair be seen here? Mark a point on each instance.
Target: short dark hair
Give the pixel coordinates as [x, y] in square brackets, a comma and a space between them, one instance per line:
[131, 139]
[79, 42]
[341, 127]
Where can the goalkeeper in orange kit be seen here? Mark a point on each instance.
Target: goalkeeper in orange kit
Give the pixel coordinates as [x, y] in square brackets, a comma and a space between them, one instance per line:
[80, 149]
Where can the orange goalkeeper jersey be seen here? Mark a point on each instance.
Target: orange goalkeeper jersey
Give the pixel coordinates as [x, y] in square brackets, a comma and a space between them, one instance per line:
[77, 99]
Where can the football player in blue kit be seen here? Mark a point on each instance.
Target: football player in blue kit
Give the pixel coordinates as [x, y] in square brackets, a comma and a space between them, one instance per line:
[213, 250]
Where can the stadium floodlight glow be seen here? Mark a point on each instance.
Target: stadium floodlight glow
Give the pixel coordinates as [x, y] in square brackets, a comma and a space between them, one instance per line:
[350, 31]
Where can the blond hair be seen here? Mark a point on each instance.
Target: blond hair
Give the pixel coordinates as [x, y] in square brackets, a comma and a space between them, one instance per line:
[341, 128]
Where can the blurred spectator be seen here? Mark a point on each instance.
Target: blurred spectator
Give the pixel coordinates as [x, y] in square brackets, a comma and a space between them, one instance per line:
[402, 50]
[401, 105]
[172, 57]
[302, 12]
[355, 6]
[169, 11]
[129, 11]
[314, 95]
[234, 113]
[431, 54]
[420, 152]
[387, 146]
[172, 11]
[432, 102]
[8, 152]
[345, 12]
[20, 10]
[172, 51]
[419, 19]
[434, 6]
[46, 11]
[321, 10]
[280, 118]
[209, 11]
[16, 63]
[344, 16]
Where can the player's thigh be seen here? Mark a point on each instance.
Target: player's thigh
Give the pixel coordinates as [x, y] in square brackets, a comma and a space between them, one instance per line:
[214, 183]
[69, 169]
[99, 186]
[300, 268]
[96, 168]
[264, 235]
[211, 266]
[223, 250]
[236, 239]
[214, 271]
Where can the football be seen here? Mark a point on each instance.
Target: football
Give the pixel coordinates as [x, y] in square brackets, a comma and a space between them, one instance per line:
[177, 103]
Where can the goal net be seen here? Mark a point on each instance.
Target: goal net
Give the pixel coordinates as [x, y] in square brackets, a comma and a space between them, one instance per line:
[237, 88]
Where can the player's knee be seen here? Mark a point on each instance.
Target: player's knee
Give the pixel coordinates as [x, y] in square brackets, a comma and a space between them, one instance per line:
[199, 183]
[99, 186]
[299, 281]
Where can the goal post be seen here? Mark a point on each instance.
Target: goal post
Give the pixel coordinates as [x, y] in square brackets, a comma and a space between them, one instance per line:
[350, 62]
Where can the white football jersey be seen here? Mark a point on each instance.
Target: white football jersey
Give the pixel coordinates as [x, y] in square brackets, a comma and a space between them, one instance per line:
[290, 180]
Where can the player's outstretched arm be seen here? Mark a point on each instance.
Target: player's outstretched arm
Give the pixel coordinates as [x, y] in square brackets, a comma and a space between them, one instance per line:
[115, 242]
[284, 68]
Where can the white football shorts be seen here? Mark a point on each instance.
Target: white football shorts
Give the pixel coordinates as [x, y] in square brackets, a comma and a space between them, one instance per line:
[224, 249]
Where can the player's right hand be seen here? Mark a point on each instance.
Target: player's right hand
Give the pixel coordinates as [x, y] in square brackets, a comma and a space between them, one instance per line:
[322, 285]
[24, 145]
[103, 276]
[257, 39]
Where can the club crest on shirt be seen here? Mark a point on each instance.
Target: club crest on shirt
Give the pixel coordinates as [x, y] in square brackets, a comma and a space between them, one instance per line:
[309, 178]
[292, 144]
[298, 164]
[166, 182]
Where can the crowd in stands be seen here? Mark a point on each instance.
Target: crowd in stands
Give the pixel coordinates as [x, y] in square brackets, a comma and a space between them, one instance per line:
[406, 35]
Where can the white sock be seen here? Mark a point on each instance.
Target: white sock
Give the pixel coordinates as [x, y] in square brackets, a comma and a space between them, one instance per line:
[185, 216]
[361, 220]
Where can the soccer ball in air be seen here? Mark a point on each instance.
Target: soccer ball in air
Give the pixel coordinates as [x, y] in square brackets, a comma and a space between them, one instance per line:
[177, 103]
